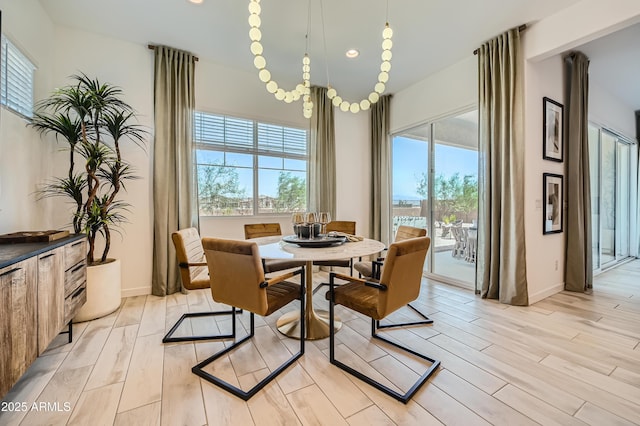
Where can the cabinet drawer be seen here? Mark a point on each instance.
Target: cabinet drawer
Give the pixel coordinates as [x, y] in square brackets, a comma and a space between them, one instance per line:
[74, 253]
[74, 277]
[74, 302]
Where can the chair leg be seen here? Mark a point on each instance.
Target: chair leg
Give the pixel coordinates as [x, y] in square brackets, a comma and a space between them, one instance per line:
[169, 336]
[246, 395]
[404, 398]
[315, 290]
[427, 320]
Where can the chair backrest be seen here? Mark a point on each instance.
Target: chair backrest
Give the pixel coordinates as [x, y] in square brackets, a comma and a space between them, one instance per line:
[257, 230]
[405, 232]
[402, 274]
[346, 226]
[239, 274]
[189, 249]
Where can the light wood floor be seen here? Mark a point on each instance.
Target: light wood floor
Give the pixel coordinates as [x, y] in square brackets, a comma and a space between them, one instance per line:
[570, 359]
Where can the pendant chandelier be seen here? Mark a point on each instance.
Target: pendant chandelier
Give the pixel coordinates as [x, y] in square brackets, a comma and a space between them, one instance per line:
[303, 90]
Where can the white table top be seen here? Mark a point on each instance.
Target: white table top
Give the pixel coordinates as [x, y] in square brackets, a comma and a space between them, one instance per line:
[275, 248]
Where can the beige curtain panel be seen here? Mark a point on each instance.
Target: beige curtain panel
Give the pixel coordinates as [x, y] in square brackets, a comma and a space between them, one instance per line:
[174, 188]
[579, 261]
[322, 158]
[501, 264]
[380, 170]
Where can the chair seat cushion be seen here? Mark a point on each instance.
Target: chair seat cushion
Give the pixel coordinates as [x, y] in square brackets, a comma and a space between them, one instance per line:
[341, 262]
[278, 295]
[201, 280]
[272, 265]
[365, 268]
[357, 296]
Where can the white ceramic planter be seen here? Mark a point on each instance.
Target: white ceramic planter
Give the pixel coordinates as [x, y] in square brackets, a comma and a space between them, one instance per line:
[103, 291]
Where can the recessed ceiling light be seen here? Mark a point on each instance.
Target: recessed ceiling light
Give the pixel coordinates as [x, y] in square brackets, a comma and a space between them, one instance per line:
[352, 53]
[196, 1]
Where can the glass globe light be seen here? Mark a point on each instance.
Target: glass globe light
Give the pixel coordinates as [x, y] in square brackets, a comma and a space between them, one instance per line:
[254, 20]
[331, 93]
[296, 95]
[255, 34]
[383, 77]
[373, 97]
[306, 83]
[306, 68]
[387, 44]
[256, 48]
[306, 60]
[264, 75]
[288, 97]
[379, 87]
[307, 113]
[279, 94]
[260, 62]
[336, 101]
[354, 108]
[385, 66]
[387, 33]
[300, 88]
[365, 105]
[272, 87]
[344, 106]
[254, 8]
[306, 76]
[386, 55]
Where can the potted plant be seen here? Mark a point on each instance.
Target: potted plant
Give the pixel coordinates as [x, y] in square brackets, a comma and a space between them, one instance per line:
[94, 121]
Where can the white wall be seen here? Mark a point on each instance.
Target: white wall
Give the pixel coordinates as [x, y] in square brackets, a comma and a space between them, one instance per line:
[129, 66]
[448, 91]
[24, 157]
[545, 253]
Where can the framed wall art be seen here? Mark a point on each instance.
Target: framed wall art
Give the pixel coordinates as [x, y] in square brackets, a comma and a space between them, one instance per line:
[553, 200]
[553, 143]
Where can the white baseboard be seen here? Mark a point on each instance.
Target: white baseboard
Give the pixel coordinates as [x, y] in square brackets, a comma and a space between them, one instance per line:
[543, 294]
[137, 291]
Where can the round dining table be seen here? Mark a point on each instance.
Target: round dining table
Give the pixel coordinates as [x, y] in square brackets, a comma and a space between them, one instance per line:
[316, 321]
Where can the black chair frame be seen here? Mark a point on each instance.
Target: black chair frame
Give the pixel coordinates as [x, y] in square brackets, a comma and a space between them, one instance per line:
[404, 398]
[246, 395]
[168, 338]
[377, 267]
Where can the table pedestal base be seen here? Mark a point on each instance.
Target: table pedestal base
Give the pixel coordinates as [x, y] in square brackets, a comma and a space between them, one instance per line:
[317, 324]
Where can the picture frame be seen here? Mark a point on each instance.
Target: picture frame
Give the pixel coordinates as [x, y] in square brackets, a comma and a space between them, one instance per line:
[552, 134]
[552, 202]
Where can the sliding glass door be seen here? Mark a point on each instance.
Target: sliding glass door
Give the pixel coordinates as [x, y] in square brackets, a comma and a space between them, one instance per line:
[611, 185]
[435, 186]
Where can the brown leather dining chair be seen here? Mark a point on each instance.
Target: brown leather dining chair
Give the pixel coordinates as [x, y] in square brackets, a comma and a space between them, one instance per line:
[404, 232]
[371, 270]
[195, 275]
[345, 227]
[239, 281]
[257, 230]
[398, 285]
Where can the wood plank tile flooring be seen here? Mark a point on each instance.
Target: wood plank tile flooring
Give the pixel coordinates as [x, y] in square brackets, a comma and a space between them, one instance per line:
[571, 359]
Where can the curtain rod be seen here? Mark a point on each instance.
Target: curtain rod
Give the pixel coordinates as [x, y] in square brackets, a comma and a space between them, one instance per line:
[521, 28]
[152, 47]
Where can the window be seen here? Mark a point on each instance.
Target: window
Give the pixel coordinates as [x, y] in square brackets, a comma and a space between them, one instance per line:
[246, 168]
[16, 88]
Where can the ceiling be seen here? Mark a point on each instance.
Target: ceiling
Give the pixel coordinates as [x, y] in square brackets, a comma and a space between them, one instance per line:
[429, 35]
[614, 64]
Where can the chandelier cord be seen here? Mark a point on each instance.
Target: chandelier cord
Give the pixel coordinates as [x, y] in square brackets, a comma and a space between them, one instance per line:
[387, 17]
[324, 42]
[306, 36]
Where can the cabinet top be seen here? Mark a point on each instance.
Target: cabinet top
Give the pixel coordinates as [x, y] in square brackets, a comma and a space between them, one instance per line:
[14, 253]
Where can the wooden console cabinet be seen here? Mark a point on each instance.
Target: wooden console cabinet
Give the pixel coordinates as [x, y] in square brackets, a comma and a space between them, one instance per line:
[42, 285]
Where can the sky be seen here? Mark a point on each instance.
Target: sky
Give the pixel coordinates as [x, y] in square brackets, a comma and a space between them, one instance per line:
[410, 160]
